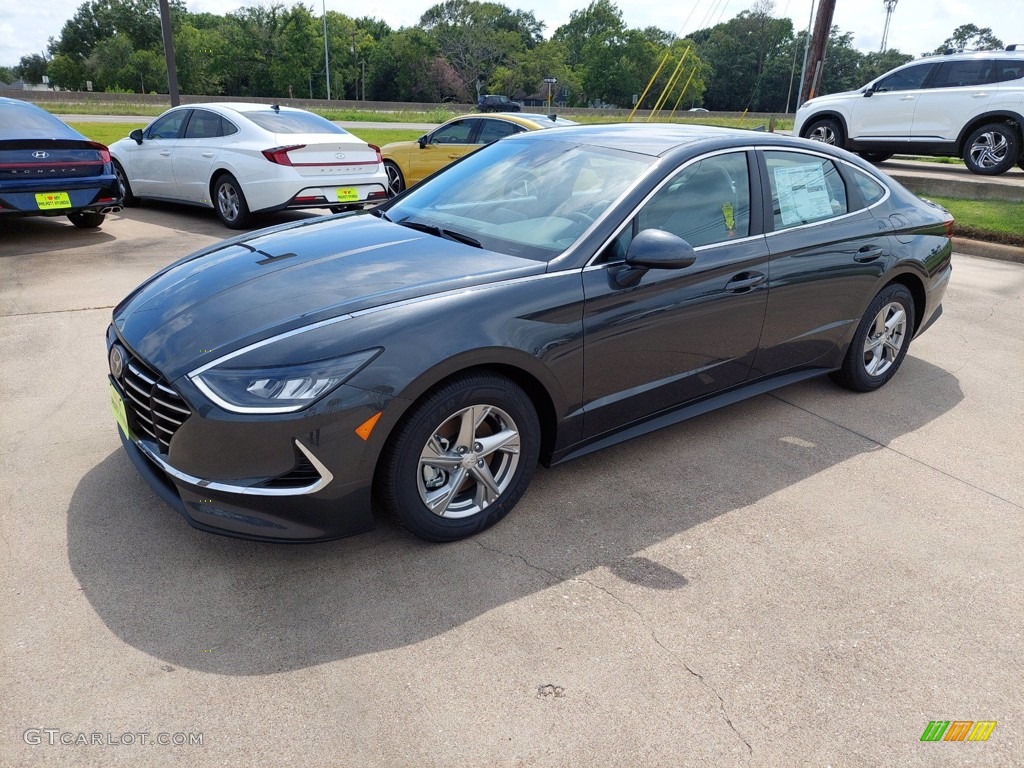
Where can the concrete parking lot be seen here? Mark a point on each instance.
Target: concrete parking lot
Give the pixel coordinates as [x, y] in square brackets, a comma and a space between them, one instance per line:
[807, 578]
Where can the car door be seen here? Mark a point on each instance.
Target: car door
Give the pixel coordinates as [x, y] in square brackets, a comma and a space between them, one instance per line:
[953, 95]
[678, 334]
[493, 128]
[441, 147]
[826, 258]
[886, 112]
[152, 172]
[197, 151]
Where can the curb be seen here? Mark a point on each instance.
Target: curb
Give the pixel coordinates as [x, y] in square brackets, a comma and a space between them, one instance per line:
[988, 250]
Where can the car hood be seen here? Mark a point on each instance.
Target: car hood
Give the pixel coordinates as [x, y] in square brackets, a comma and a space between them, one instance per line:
[817, 100]
[244, 290]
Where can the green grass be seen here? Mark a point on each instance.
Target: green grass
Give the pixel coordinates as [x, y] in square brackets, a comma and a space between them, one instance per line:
[105, 133]
[382, 136]
[995, 220]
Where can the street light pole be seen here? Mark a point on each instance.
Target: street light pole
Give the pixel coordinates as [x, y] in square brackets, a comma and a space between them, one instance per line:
[327, 56]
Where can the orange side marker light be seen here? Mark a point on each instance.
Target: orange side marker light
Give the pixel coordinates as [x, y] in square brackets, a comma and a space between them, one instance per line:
[364, 429]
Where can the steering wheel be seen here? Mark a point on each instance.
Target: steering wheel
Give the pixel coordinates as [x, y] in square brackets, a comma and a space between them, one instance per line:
[580, 217]
[523, 187]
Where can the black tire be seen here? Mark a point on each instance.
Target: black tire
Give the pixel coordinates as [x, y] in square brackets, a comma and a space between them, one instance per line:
[435, 427]
[396, 181]
[991, 149]
[826, 130]
[229, 202]
[855, 373]
[128, 200]
[875, 157]
[86, 219]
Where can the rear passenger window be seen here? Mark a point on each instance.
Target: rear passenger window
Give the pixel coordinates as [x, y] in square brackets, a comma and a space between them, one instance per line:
[956, 74]
[805, 189]
[869, 189]
[1010, 70]
[492, 130]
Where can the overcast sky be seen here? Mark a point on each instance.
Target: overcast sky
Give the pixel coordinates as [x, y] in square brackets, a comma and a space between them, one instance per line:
[917, 25]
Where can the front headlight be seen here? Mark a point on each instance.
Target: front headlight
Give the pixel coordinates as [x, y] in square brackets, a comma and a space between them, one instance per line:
[281, 389]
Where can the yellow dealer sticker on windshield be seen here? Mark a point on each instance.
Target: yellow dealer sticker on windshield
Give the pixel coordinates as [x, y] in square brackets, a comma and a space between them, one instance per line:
[117, 406]
[48, 201]
[347, 194]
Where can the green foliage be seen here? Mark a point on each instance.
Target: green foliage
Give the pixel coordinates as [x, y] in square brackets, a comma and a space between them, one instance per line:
[969, 37]
[31, 68]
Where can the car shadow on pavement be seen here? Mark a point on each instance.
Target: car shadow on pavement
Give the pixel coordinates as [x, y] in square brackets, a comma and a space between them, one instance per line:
[195, 219]
[24, 236]
[210, 603]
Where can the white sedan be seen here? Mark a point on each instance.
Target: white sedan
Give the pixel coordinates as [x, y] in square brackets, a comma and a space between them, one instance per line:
[242, 159]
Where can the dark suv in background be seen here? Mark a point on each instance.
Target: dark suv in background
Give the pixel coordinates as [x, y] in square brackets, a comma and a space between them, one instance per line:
[497, 103]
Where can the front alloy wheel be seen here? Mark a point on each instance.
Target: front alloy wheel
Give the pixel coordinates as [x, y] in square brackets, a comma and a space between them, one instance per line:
[461, 458]
[827, 131]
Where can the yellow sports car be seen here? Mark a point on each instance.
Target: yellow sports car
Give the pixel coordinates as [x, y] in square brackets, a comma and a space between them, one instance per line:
[409, 162]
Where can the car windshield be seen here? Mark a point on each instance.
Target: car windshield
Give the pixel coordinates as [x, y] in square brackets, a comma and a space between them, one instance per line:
[292, 122]
[523, 198]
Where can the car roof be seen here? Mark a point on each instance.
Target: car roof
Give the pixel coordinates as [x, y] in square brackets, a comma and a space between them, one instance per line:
[659, 139]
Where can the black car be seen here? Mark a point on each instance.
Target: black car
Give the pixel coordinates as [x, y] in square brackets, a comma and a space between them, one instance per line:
[549, 295]
[48, 168]
[497, 103]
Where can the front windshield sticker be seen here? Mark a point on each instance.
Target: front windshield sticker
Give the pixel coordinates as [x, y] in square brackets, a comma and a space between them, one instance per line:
[803, 195]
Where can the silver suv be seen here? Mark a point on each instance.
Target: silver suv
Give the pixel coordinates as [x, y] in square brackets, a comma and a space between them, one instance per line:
[968, 105]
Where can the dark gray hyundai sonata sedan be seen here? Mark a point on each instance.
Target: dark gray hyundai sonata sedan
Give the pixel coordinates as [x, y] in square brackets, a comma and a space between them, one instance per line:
[552, 294]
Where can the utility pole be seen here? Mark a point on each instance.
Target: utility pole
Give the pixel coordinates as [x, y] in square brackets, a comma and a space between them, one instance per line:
[172, 72]
[816, 55]
[327, 56]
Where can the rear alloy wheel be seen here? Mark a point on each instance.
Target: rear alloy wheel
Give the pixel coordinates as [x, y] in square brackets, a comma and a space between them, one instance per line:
[229, 202]
[881, 341]
[991, 150]
[128, 200]
[396, 182]
[875, 157]
[86, 219]
[461, 458]
[825, 130]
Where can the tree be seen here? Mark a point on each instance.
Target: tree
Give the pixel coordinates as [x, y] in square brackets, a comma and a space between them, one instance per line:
[970, 37]
[31, 68]
[600, 20]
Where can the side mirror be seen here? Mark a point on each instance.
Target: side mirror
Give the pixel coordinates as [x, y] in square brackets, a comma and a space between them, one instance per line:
[654, 249]
[422, 141]
[869, 93]
[136, 135]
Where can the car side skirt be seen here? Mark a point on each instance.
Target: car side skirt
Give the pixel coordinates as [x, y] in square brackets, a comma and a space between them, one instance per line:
[675, 415]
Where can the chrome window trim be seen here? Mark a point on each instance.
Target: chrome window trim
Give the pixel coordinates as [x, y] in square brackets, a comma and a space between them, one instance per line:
[244, 490]
[629, 219]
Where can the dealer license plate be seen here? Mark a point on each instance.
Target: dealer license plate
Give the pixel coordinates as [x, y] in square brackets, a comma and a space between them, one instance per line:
[117, 406]
[347, 194]
[48, 201]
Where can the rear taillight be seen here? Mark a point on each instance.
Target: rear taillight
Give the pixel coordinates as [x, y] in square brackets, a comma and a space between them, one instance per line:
[950, 226]
[376, 149]
[102, 149]
[279, 155]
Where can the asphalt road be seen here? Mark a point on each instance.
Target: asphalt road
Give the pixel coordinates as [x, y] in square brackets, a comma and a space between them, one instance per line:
[807, 578]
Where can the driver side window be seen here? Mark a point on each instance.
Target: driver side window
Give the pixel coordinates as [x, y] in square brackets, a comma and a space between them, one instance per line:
[168, 126]
[453, 133]
[707, 202]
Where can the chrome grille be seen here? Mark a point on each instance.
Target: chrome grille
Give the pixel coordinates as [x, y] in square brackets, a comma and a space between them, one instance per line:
[155, 408]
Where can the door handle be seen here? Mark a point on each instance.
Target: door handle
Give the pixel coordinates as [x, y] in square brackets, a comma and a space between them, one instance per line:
[906, 98]
[165, 152]
[979, 95]
[868, 253]
[453, 157]
[744, 281]
[207, 154]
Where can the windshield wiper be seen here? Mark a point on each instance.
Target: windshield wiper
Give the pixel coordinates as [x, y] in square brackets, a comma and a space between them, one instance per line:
[380, 214]
[447, 234]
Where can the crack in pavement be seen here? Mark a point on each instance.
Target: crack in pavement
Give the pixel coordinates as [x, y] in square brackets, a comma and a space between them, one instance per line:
[898, 452]
[672, 654]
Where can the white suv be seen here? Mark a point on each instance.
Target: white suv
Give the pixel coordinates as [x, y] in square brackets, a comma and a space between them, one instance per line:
[968, 105]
